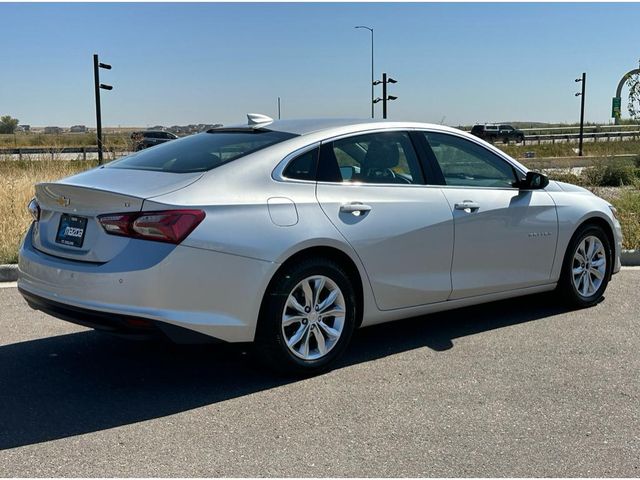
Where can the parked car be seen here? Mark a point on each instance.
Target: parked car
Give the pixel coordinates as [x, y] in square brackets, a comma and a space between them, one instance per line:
[493, 133]
[150, 138]
[293, 233]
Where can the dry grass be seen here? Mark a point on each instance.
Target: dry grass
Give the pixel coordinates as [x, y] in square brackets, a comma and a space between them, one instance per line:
[16, 190]
[18, 140]
[627, 202]
[597, 149]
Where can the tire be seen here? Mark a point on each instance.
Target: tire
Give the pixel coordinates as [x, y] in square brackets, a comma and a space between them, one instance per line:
[276, 341]
[586, 289]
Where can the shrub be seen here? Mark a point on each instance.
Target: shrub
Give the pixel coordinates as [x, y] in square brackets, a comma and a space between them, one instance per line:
[628, 205]
[567, 177]
[613, 173]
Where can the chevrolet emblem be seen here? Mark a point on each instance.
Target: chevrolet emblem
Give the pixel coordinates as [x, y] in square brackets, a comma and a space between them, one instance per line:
[63, 201]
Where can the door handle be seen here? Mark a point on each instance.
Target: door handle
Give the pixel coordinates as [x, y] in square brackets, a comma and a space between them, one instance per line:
[467, 205]
[355, 208]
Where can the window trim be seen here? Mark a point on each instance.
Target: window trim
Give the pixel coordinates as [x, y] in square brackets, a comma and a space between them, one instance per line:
[431, 157]
[416, 151]
[278, 173]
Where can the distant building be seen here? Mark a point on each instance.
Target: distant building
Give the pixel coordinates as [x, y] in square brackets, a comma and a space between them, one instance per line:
[78, 129]
[53, 130]
[23, 128]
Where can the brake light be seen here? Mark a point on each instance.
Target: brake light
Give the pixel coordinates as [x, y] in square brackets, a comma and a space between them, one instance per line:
[171, 226]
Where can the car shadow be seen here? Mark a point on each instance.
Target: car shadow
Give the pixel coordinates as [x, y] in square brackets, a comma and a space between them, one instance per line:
[67, 385]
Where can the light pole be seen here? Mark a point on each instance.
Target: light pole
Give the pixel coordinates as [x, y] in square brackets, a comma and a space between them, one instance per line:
[385, 80]
[581, 94]
[97, 85]
[372, 99]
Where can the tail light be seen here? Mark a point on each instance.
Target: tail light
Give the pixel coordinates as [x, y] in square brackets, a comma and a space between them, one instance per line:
[171, 226]
[34, 209]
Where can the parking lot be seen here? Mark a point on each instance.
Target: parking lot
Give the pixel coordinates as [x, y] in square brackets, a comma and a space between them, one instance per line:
[514, 388]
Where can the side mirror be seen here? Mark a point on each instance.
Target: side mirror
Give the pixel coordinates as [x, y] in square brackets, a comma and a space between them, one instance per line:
[533, 181]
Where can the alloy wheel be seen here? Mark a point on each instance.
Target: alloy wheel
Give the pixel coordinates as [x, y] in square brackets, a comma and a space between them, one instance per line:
[313, 318]
[589, 266]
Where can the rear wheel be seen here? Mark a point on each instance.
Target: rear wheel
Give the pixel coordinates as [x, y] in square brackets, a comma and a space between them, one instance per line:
[587, 267]
[308, 317]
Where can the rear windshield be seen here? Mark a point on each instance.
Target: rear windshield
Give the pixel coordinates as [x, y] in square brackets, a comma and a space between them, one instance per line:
[202, 152]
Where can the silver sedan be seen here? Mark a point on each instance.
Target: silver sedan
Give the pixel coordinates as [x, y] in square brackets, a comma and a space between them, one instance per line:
[291, 234]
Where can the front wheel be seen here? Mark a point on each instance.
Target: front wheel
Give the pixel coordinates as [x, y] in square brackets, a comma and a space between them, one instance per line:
[308, 317]
[587, 267]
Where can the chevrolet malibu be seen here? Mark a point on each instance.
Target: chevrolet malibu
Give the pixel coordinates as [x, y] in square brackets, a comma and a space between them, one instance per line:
[291, 234]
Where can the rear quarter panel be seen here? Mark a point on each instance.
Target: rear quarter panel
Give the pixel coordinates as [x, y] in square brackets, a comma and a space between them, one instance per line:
[238, 222]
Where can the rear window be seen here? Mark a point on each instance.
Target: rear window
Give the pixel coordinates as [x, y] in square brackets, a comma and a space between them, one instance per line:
[202, 152]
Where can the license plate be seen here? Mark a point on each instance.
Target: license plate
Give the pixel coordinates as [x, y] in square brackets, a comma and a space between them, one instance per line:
[71, 230]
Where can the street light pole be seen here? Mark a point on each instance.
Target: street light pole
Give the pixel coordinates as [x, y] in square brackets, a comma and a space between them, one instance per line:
[372, 94]
[97, 85]
[581, 94]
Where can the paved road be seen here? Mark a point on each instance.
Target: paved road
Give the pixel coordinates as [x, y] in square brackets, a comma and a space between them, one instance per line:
[515, 388]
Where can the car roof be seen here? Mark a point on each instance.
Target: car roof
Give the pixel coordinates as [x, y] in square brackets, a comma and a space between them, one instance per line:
[303, 126]
[306, 126]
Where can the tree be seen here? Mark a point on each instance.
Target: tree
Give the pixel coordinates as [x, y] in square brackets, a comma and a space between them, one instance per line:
[8, 124]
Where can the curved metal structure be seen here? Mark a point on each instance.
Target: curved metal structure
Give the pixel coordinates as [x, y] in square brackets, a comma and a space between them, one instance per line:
[623, 80]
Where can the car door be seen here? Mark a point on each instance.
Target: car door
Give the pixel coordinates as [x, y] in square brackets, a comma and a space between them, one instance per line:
[505, 237]
[371, 187]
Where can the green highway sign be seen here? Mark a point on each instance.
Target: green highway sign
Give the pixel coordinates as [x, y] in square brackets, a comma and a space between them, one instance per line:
[615, 107]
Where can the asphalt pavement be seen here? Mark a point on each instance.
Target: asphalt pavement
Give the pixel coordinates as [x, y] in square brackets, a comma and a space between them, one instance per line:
[515, 388]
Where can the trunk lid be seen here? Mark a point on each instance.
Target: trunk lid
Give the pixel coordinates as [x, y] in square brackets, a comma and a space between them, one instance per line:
[76, 202]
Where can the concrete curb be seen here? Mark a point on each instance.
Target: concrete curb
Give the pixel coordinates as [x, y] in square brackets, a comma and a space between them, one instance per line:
[8, 273]
[629, 258]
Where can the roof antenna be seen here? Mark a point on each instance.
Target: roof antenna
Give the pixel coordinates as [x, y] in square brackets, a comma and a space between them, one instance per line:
[254, 119]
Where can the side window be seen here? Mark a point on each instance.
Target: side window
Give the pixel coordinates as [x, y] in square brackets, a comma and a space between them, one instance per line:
[385, 157]
[465, 163]
[303, 167]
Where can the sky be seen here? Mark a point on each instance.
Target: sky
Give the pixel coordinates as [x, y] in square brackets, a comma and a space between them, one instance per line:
[173, 63]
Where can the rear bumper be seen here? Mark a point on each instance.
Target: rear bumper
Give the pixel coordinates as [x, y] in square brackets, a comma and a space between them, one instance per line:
[113, 323]
[204, 291]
